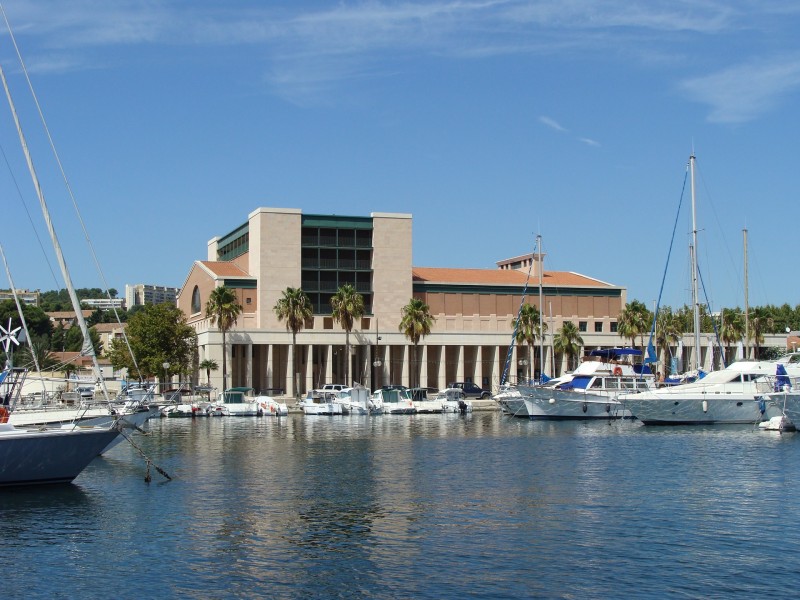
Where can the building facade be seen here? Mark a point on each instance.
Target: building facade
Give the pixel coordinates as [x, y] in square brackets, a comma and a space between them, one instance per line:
[104, 303]
[474, 309]
[141, 294]
[25, 296]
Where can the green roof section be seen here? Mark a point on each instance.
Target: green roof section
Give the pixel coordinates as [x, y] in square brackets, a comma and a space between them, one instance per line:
[242, 284]
[336, 221]
[234, 235]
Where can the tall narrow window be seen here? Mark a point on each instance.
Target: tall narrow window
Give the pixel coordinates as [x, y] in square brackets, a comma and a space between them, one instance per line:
[196, 300]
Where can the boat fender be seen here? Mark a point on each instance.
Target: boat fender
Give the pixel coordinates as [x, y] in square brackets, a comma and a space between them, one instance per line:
[552, 400]
[585, 407]
[705, 406]
[762, 406]
[608, 408]
[271, 408]
[3, 414]
[617, 371]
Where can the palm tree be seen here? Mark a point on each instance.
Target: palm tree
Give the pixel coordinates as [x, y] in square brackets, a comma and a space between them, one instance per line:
[294, 307]
[347, 305]
[208, 365]
[760, 322]
[223, 309]
[668, 332]
[416, 322]
[732, 328]
[568, 341]
[634, 320]
[528, 329]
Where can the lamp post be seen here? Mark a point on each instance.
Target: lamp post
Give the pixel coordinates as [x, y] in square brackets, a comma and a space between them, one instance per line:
[523, 363]
[166, 375]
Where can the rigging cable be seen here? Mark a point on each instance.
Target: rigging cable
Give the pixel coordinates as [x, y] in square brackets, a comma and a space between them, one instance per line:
[69, 190]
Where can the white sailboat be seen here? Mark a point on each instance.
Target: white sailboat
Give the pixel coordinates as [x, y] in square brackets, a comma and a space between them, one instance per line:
[726, 396]
[45, 454]
[509, 398]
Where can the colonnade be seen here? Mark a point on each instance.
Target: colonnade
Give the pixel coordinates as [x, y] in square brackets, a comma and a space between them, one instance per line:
[269, 367]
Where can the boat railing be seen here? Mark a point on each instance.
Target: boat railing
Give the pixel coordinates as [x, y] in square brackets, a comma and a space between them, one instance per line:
[777, 383]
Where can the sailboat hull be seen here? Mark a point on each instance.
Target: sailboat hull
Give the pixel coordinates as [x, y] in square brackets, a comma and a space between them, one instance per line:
[48, 456]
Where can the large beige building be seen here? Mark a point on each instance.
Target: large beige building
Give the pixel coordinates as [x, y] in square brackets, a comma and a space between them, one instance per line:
[474, 308]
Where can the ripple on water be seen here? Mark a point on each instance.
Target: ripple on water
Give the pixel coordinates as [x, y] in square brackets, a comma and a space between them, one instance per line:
[424, 507]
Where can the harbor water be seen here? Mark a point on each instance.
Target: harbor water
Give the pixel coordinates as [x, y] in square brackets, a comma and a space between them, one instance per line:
[424, 506]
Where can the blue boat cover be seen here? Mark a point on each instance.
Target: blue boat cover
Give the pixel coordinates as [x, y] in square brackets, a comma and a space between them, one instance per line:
[611, 353]
[782, 378]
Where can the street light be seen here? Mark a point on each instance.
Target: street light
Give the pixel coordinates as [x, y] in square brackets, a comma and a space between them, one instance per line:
[523, 362]
[166, 375]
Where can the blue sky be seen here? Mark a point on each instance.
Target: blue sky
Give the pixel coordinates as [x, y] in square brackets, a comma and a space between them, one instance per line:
[489, 121]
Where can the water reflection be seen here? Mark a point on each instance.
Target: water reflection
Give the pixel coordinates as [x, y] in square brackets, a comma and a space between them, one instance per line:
[427, 506]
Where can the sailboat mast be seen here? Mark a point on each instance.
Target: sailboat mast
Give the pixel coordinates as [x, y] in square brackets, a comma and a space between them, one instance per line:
[541, 308]
[88, 349]
[746, 302]
[695, 299]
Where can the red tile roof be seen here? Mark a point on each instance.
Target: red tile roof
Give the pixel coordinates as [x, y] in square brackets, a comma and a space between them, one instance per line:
[502, 277]
[224, 269]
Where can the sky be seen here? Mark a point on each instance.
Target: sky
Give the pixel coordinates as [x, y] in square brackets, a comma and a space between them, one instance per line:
[490, 121]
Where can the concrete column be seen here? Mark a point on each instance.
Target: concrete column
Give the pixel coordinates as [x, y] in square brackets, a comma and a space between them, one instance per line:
[288, 380]
[422, 354]
[268, 364]
[442, 380]
[248, 364]
[328, 364]
[404, 377]
[229, 362]
[459, 363]
[308, 369]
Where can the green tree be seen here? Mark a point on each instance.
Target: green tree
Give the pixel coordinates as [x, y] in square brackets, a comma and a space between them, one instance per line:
[208, 365]
[731, 330]
[293, 307]
[761, 322]
[633, 321]
[568, 341]
[528, 330]
[58, 339]
[415, 324]
[38, 322]
[73, 340]
[40, 348]
[223, 309]
[347, 305]
[156, 334]
[668, 332]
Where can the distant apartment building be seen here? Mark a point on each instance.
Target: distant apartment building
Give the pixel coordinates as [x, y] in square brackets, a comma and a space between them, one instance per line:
[104, 303]
[141, 294]
[25, 296]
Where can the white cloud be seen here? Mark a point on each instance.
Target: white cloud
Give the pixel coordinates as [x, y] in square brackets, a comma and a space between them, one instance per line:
[589, 141]
[308, 51]
[552, 123]
[744, 92]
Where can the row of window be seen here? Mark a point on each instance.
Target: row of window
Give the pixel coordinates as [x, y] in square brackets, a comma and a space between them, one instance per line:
[598, 326]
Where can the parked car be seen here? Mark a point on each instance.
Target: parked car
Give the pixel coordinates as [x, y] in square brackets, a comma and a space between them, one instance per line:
[471, 390]
[333, 387]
